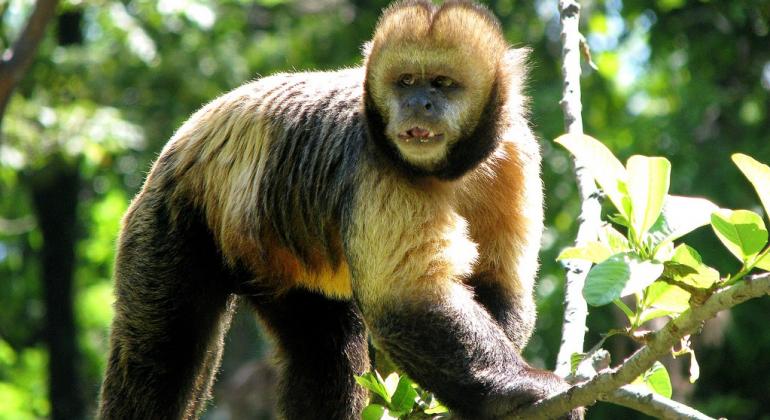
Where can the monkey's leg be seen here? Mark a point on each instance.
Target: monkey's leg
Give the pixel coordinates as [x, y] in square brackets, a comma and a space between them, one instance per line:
[172, 311]
[322, 344]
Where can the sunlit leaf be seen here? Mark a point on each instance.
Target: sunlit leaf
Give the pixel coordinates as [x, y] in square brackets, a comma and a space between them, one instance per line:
[631, 315]
[438, 409]
[652, 313]
[764, 262]
[618, 276]
[613, 239]
[404, 396]
[376, 412]
[667, 296]
[658, 380]
[391, 383]
[592, 251]
[374, 383]
[743, 232]
[574, 361]
[680, 216]
[648, 181]
[759, 176]
[699, 275]
[605, 168]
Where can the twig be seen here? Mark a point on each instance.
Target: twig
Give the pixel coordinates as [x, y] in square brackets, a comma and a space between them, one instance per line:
[660, 344]
[653, 404]
[575, 309]
[15, 60]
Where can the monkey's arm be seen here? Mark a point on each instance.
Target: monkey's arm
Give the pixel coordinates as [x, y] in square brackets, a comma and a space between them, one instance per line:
[503, 204]
[450, 345]
[406, 250]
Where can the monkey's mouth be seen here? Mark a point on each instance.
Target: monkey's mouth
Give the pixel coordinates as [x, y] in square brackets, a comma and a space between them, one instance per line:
[419, 135]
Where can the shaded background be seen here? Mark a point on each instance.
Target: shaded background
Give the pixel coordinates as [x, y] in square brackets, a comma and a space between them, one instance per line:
[685, 79]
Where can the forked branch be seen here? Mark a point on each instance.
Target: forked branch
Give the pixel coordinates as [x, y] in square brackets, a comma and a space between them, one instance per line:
[660, 343]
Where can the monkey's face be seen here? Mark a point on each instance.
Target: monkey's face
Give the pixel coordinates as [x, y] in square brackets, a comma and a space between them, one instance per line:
[430, 74]
[424, 115]
[429, 99]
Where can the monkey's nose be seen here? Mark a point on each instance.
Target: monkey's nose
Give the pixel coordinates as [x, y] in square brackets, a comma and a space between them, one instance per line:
[418, 132]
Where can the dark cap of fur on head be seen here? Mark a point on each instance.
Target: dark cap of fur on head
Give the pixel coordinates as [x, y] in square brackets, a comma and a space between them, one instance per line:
[454, 24]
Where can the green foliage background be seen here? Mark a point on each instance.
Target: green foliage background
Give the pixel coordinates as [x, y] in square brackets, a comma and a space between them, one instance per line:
[685, 79]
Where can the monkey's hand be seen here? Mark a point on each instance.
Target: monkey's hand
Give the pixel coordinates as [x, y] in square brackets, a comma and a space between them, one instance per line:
[538, 384]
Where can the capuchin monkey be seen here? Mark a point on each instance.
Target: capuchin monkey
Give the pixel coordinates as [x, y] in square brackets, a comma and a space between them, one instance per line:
[400, 199]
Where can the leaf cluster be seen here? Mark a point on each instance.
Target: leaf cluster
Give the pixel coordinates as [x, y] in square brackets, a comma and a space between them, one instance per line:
[637, 266]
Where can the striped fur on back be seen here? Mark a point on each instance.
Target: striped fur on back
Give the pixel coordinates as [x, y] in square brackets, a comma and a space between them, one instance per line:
[273, 166]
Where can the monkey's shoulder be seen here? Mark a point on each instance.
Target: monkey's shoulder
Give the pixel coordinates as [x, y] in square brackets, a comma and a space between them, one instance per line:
[309, 87]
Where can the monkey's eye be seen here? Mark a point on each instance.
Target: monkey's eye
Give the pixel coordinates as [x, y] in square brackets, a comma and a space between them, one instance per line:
[442, 82]
[406, 79]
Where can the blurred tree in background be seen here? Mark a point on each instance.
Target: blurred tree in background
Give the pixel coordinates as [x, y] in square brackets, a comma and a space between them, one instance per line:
[111, 81]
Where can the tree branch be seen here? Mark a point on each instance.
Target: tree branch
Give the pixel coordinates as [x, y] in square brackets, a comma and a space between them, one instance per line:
[659, 344]
[653, 404]
[16, 60]
[575, 309]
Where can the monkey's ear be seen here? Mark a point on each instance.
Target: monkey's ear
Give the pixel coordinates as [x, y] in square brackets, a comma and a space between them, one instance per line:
[366, 49]
[516, 62]
[517, 57]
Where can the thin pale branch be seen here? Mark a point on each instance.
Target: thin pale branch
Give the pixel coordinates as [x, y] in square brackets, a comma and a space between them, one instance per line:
[653, 404]
[15, 61]
[575, 309]
[659, 344]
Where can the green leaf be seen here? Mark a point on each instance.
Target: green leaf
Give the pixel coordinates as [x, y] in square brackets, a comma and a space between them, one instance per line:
[376, 412]
[618, 218]
[374, 383]
[764, 262]
[391, 383]
[667, 298]
[759, 176]
[613, 239]
[605, 168]
[680, 216]
[438, 409]
[658, 380]
[648, 182]
[626, 310]
[618, 276]
[743, 232]
[404, 396]
[699, 274]
[574, 361]
[592, 251]
[676, 270]
[652, 313]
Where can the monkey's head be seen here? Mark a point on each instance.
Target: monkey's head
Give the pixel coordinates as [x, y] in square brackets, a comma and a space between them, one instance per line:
[434, 87]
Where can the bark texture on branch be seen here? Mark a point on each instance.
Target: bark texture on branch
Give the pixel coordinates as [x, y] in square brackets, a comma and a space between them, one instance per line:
[659, 344]
[575, 309]
[653, 404]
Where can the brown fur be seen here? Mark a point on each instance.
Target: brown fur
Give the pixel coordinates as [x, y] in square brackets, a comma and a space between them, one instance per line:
[290, 193]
